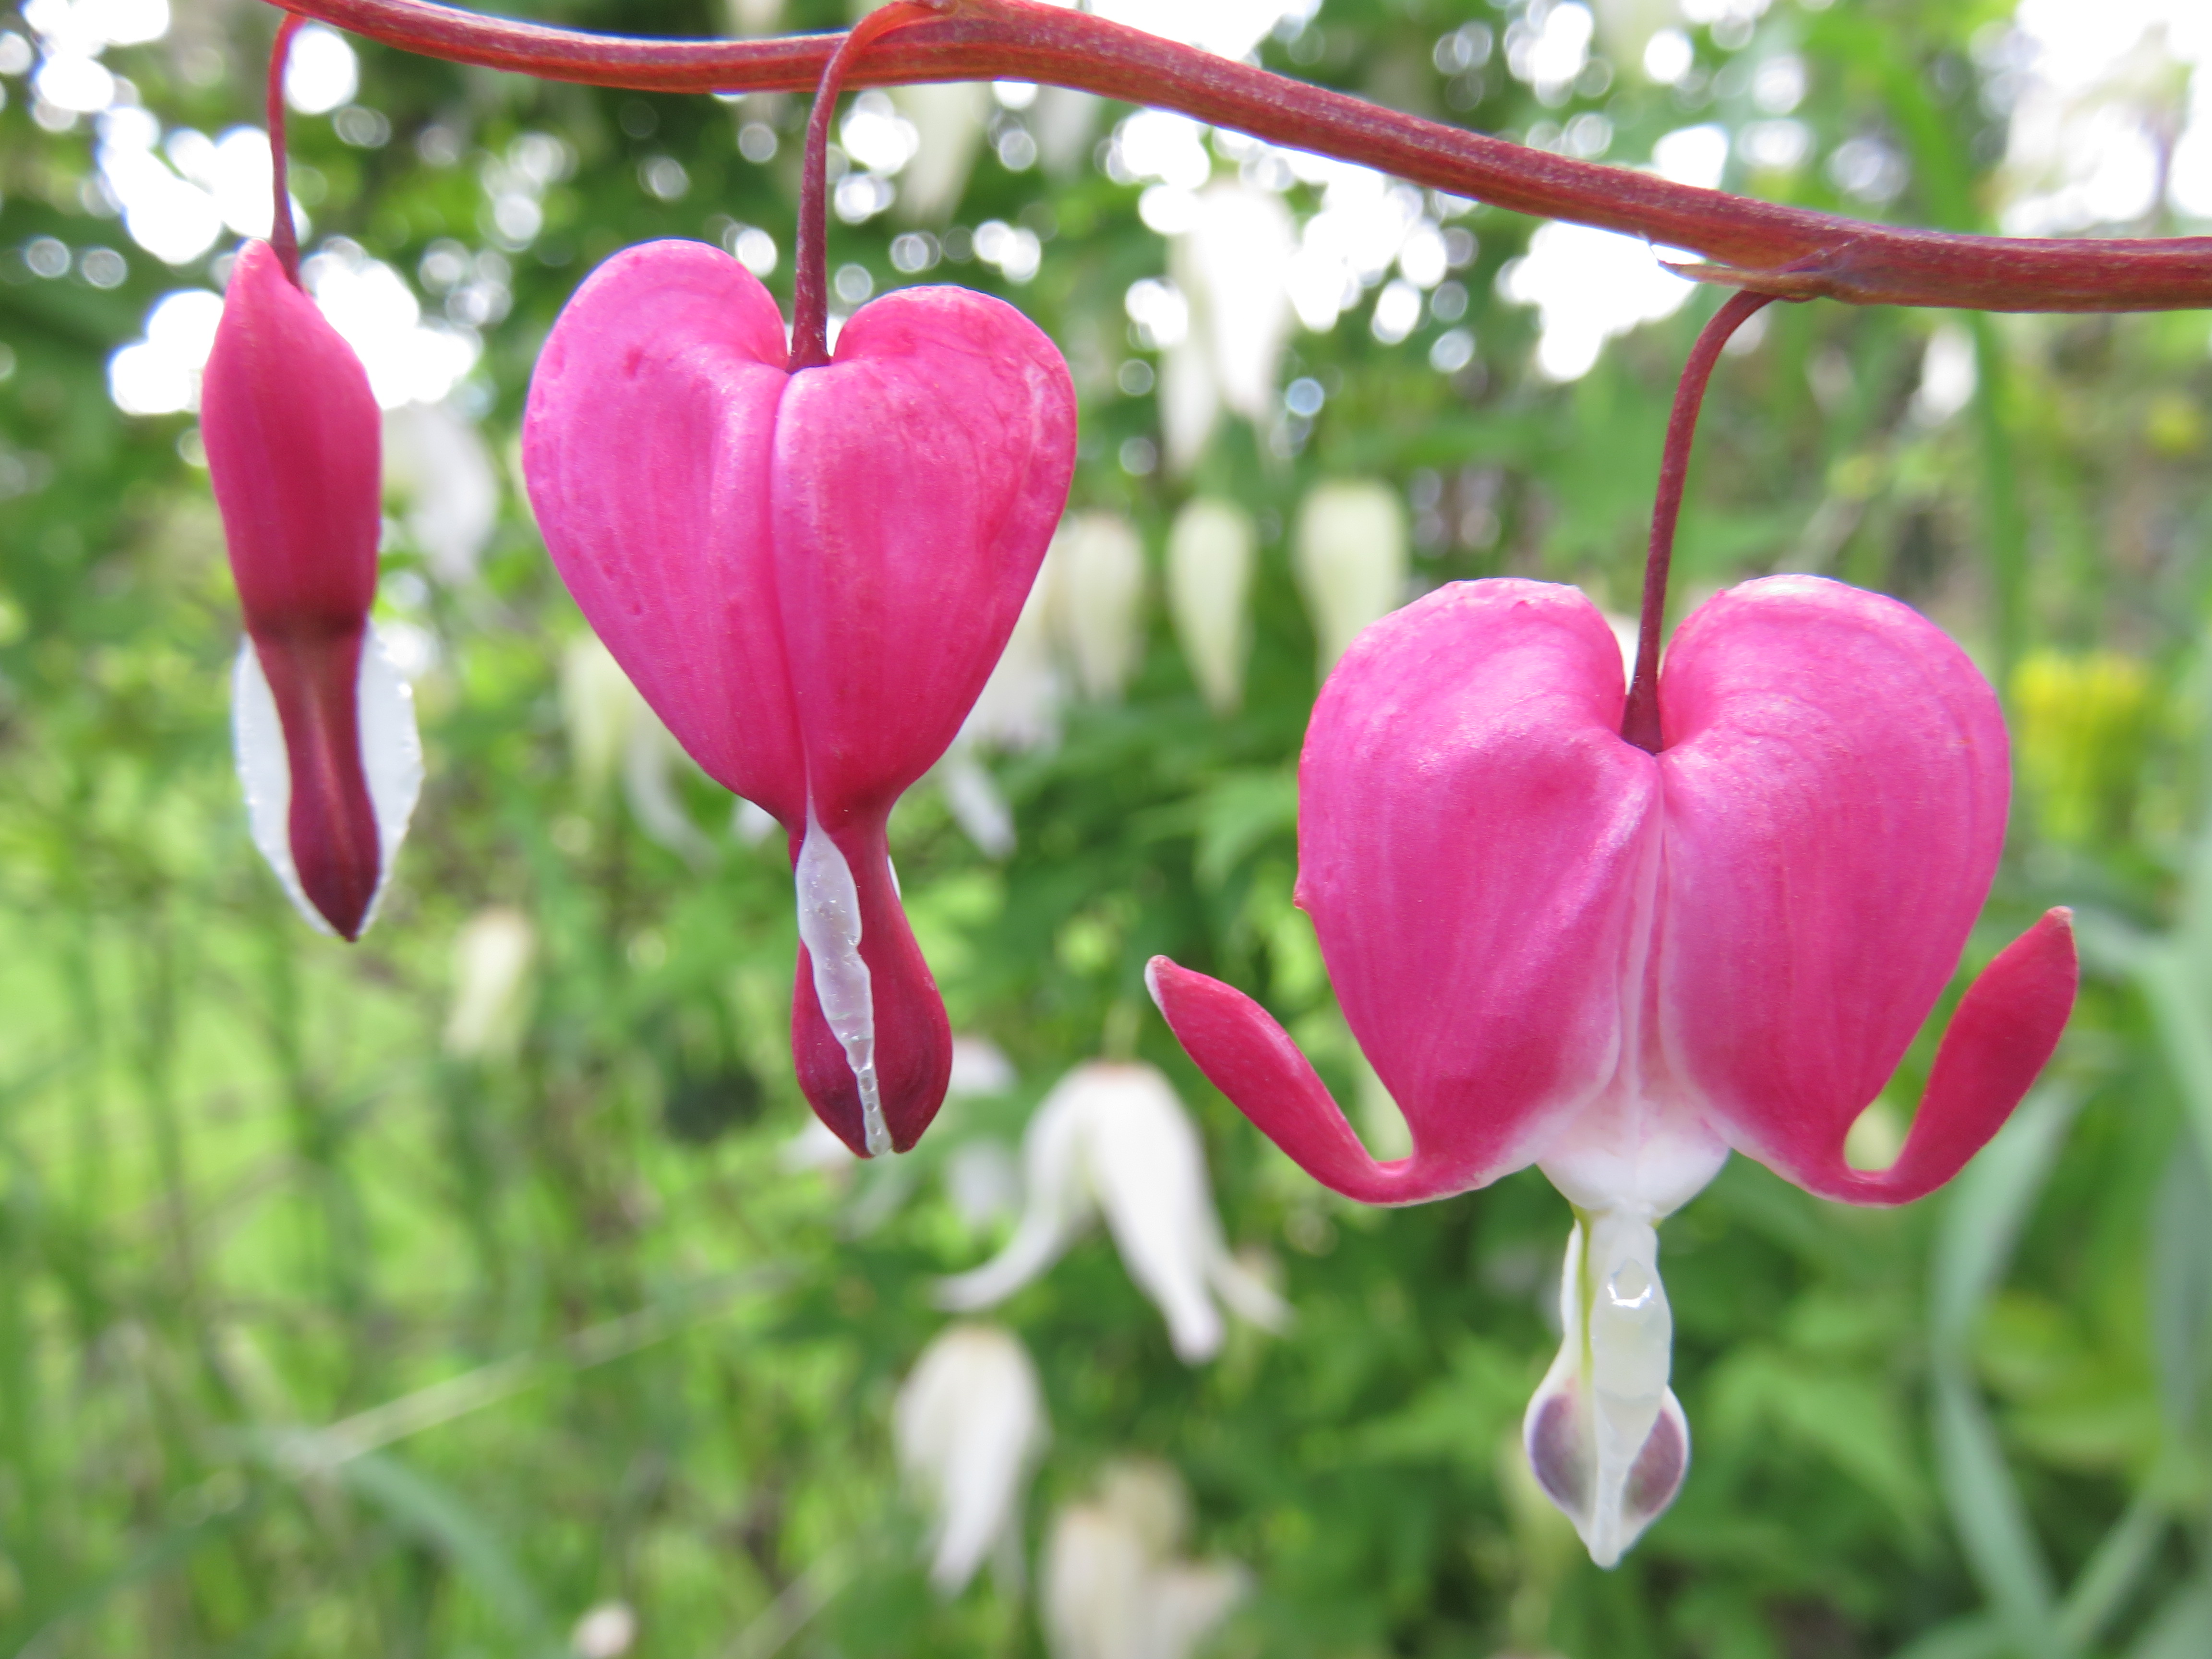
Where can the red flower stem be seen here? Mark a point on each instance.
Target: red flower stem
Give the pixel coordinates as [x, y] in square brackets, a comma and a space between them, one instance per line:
[809, 301]
[283, 235]
[1786, 250]
[1639, 719]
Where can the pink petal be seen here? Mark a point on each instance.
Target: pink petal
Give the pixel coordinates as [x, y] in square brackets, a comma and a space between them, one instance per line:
[1836, 781]
[918, 480]
[294, 440]
[647, 446]
[1472, 842]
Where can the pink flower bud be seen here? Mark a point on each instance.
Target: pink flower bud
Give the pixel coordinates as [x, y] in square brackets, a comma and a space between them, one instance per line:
[294, 441]
[809, 576]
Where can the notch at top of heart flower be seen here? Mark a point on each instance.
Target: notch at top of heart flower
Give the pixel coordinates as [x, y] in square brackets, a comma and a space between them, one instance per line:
[807, 563]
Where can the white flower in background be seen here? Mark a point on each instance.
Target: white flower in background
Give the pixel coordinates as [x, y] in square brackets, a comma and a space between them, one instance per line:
[1230, 28]
[1351, 557]
[1230, 266]
[1113, 1138]
[1019, 709]
[439, 466]
[1589, 286]
[2102, 113]
[1211, 549]
[1949, 375]
[492, 955]
[968, 1425]
[1063, 120]
[1113, 1586]
[608, 724]
[1097, 597]
[1625, 27]
[947, 121]
[606, 1631]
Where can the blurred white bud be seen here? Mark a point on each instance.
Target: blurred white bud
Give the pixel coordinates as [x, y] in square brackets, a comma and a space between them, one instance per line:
[1113, 1138]
[491, 972]
[972, 795]
[1019, 706]
[652, 762]
[1210, 553]
[606, 1631]
[597, 705]
[1113, 1588]
[1063, 120]
[1097, 598]
[1231, 265]
[948, 121]
[609, 723]
[1189, 398]
[1351, 559]
[439, 468]
[968, 1424]
[748, 19]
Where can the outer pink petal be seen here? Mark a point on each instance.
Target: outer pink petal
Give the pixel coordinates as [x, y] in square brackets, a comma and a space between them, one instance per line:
[1836, 781]
[918, 479]
[295, 445]
[1473, 838]
[646, 445]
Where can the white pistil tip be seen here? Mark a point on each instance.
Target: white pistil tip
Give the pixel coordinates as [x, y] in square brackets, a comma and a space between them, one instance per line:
[830, 926]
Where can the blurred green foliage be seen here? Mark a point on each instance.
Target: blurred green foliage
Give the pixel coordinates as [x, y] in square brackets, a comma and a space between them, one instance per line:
[316, 1338]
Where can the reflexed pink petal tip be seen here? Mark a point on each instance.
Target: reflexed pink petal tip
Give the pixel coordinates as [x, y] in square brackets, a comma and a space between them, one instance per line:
[1785, 889]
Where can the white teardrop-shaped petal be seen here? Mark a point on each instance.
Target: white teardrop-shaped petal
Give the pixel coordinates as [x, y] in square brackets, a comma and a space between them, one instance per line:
[948, 120]
[437, 463]
[830, 926]
[651, 759]
[968, 1423]
[1232, 264]
[1019, 706]
[1210, 555]
[390, 755]
[1057, 1205]
[1113, 1586]
[491, 966]
[598, 705]
[1189, 400]
[977, 807]
[1351, 560]
[1097, 599]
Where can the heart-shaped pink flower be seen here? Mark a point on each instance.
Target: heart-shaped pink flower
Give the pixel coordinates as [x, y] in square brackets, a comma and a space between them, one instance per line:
[809, 576]
[1560, 949]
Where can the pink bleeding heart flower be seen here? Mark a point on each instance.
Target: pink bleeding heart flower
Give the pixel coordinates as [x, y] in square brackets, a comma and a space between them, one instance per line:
[323, 726]
[1557, 948]
[809, 576]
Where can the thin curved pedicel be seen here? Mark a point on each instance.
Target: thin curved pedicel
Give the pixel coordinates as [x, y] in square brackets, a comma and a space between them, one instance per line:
[294, 441]
[809, 577]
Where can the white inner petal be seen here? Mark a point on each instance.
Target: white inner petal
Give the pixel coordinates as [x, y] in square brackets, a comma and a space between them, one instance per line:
[391, 759]
[830, 926]
[1631, 1339]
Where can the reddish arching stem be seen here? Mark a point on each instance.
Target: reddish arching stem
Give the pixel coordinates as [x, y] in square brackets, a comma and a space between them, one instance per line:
[1639, 717]
[810, 300]
[284, 234]
[1788, 251]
